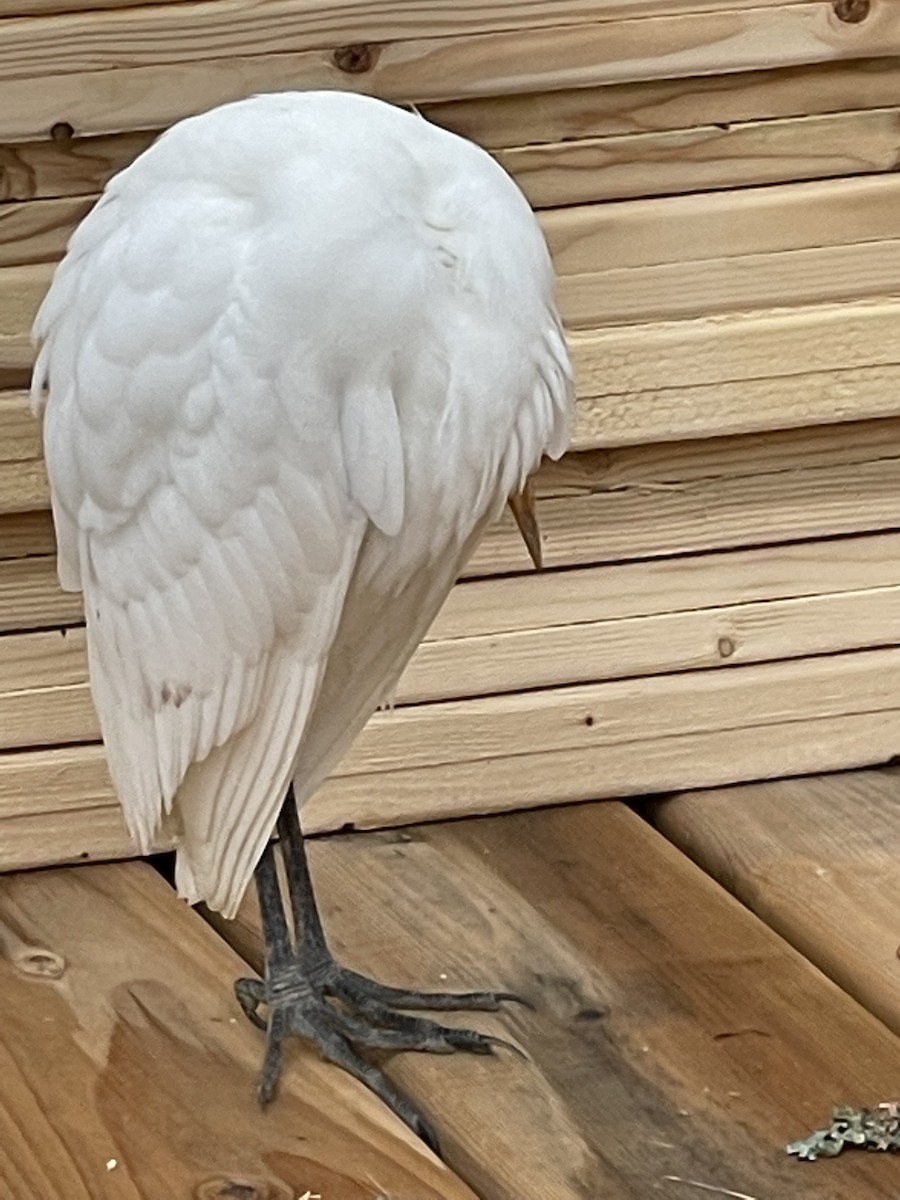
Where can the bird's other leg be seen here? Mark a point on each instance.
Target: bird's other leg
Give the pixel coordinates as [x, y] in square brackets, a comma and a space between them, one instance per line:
[302, 979]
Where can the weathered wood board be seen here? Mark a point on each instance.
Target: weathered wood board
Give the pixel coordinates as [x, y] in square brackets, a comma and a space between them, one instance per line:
[818, 859]
[675, 1040]
[128, 1070]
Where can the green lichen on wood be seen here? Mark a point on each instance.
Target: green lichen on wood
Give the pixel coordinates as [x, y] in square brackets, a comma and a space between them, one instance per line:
[869, 1129]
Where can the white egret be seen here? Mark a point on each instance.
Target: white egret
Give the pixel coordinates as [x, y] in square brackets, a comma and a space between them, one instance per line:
[297, 357]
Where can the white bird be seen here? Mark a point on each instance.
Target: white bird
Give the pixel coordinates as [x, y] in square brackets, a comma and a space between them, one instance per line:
[297, 357]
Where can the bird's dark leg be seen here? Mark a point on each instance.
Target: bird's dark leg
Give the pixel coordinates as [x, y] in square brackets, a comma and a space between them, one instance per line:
[302, 979]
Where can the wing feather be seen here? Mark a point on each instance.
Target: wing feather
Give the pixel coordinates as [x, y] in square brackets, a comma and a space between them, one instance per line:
[211, 531]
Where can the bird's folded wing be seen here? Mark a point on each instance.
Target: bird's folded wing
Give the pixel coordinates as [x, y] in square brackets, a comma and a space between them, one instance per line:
[211, 509]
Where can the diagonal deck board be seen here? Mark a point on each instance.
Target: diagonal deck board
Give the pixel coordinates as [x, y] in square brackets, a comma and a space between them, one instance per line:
[672, 1034]
[819, 860]
[136, 1057]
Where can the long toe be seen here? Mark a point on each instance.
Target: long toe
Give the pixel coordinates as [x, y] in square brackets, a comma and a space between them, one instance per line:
[357, 989]
[387, 1030]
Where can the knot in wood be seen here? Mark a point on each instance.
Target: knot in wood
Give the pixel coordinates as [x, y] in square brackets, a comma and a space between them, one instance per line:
[852, 11]
[223, 1188]
[355, 59]
[726, 647]
[39, 963]
[62, 133]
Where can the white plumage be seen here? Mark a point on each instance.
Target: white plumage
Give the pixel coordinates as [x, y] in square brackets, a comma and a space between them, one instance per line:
[296, 358]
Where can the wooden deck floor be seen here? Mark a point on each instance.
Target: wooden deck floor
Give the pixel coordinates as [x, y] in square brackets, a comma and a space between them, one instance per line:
[681, 1034]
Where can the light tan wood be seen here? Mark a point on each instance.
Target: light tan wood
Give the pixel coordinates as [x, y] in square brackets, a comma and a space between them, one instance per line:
[728, 224]
[71, 167]
[82, 166]
[727, 278]
[36, 231]
[627, 503]
[719, 285]
[31, 598]
[600, 237]
[627, 737]
[819, 860]
[671, 1034]
[706, 156]
[656, 105]
[21, 290]
[101, 39]
[44, 696]
[128, 1070]
[95, 95]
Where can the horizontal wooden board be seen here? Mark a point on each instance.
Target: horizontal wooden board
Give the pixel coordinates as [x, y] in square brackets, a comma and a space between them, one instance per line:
[703, 157]
[543, 630]
[818, 859]
[124, 1053]
[630, 503]
[670, 1050]
[649, 260]
[728, 224]
[89, 89]
[81, 166]
[627, 737]
[100, 36]
[660, 105]
[584, 239]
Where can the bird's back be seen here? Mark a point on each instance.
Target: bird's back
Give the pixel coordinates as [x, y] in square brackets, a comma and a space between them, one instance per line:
[297, 357]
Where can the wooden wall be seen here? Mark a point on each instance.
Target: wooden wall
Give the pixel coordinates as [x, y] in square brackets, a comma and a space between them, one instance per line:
[717, 182]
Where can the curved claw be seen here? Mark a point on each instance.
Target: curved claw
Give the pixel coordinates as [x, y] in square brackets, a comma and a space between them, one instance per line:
[250, 994]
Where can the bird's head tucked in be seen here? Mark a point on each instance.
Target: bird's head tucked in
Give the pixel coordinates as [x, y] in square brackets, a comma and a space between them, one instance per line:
[522, 507]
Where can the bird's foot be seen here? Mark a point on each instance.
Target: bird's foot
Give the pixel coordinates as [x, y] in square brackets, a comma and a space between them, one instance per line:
[339, 1011]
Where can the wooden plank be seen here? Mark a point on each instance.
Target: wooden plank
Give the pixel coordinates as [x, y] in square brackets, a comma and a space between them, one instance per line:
[646, 260]
[94, 94]
[711, 156]
[828, 274]
[626, 737]
[37, 231]
[628, 503]
[101, 39]
[616, 361]
[81, 166]
[26, 534]
[730, 224]
[817, 859]
[671, 1047]
[675, 379]
[45, 700]
[657, 105]
[599, 237]
[31, 598]
[67, 167]
[127, 1061]
[103, 36]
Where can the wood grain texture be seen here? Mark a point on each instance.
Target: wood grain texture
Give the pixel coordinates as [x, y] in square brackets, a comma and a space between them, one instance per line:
[172, 76]
[506, 635]
[671, 1034]
[598, 237]
[128, 1070]
[81, 166]
[647, 261]
[661, 105]
[817, 859]
[626, 737]
[712, 156]
[626, 503]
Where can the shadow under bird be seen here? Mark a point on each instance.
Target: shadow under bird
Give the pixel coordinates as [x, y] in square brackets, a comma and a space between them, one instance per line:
[299, 355]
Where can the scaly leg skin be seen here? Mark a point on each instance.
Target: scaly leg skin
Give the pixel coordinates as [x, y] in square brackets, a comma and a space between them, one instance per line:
[301, 981]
